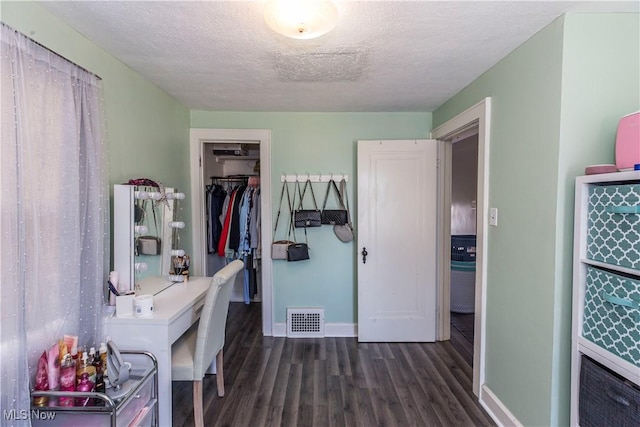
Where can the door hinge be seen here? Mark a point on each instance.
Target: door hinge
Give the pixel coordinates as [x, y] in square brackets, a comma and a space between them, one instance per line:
[200, 161]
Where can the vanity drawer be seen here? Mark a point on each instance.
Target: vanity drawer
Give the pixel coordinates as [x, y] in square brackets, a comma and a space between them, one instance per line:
[605, 398]
[613, 229]
[612, 313]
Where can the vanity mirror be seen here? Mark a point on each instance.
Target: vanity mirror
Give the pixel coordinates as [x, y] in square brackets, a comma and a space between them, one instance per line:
[145, 232]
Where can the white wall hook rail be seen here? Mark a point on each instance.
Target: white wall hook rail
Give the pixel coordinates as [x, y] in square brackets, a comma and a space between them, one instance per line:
[314, 178]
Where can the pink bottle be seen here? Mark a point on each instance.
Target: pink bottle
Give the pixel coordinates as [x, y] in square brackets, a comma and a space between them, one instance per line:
[628, 142]
[67, 379]
[85, 385]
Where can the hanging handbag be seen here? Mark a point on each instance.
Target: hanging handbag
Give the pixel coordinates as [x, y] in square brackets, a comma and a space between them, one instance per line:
[344, 232]
[307, 217]
[279, 247]
[297, 251]
[333, 216]
[149, 244]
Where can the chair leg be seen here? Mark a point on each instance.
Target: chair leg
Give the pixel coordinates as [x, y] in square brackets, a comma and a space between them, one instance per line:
[198, 413]
[220, 373]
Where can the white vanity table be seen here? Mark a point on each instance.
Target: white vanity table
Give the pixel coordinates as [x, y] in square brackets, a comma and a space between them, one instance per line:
[176, 308]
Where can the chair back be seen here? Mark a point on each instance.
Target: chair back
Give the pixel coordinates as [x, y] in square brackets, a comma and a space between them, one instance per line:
[213, 319]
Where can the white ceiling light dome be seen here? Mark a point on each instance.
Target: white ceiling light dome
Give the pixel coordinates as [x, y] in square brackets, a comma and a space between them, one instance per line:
[301, 19]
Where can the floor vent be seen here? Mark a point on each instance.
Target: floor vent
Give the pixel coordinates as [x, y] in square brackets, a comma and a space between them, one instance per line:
[305, 322]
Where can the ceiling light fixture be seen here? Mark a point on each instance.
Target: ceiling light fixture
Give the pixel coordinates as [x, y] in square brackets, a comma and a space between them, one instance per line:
[301, 19]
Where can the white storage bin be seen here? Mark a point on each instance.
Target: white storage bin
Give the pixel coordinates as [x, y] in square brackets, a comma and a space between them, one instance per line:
[463, 286]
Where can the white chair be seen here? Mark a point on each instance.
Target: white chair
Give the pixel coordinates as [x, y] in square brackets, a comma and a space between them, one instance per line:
[192, 354]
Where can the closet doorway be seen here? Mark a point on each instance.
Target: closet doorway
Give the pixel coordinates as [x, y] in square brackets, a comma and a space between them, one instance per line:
[233, 162]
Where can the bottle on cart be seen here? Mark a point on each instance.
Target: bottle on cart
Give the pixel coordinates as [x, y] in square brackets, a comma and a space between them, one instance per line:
[97, 364]
[85, 385]
[102, 352]
[67, 379]
[85, 366]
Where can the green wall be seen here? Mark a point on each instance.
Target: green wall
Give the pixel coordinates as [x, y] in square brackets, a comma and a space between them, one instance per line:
[555, 103]
[318, 143]
[147, 130]
[600, 84]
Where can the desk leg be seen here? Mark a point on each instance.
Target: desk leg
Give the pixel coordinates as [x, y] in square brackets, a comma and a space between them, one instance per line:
[165, 400]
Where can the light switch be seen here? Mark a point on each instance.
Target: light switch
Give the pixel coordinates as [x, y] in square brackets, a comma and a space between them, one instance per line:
[493, 217]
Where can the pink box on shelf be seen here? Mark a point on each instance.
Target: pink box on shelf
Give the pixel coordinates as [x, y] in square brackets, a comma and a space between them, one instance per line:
[628, 142]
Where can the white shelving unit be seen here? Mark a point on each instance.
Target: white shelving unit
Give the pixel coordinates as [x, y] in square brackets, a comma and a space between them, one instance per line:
[581, 262]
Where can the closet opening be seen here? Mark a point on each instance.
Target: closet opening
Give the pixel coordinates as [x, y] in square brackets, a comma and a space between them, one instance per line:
[230, 170]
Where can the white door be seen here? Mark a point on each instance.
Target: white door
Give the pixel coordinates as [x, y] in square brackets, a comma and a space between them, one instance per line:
[397, 205]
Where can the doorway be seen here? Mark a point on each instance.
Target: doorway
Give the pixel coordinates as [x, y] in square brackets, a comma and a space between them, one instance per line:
[464, 179]
[205, 164]
[464, 124]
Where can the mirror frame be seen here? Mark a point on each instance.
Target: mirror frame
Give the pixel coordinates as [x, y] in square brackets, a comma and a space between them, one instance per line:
[124, 257]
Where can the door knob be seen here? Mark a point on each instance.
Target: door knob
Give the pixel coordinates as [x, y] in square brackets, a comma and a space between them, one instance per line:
[364, 255]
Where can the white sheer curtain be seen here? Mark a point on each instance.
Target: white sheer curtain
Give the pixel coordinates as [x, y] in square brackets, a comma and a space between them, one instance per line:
[54, 211]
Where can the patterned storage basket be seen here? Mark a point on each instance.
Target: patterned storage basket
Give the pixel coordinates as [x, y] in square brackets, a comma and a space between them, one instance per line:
[614, 225]
[612, 313]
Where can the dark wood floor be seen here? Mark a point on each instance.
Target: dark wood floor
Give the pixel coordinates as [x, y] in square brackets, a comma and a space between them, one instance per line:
[332, 382]
[462, 326]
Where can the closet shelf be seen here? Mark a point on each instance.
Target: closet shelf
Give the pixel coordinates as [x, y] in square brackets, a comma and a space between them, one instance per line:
[222, 159]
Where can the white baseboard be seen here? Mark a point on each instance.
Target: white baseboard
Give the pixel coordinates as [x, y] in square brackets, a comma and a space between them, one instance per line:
[330, 330]
[496, 409]
[340, 329]
[279, 329]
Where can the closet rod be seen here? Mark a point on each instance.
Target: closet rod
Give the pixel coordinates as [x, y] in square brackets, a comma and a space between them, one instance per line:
[232, 178]
[314, 178]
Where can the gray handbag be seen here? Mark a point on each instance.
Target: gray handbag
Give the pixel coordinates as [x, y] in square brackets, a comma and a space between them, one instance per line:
[344, 232]
[279, 248]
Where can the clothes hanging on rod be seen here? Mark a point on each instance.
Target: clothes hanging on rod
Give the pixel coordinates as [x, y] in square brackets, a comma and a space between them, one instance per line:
[216, 199]
[215, 196]
[234, 215]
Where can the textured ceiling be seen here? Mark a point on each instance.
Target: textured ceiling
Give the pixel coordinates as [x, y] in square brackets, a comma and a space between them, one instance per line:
[382, 55]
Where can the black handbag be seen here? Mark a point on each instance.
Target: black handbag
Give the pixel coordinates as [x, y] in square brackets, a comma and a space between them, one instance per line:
[333, 216]
[297, 252]
[306, 217]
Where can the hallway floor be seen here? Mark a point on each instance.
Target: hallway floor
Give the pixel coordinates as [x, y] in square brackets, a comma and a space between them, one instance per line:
[462, 325]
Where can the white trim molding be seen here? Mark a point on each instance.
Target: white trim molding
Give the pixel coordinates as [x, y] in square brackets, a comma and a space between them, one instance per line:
[479, 115]
[199, 137]
[496, 409]
[347, 330]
